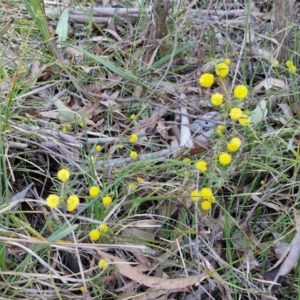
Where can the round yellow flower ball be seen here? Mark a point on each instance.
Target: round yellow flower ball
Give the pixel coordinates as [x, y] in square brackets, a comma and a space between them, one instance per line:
[133, 155]
[206, 80]
[206, 194]
[106, 201]
[201, 166]
[72, 202]
[94, 191]
[206, 205]
[133, 138]
[235, 113]
[102, 264]
[240, 92]
[53, 201]
[216, 99]
[94, 235]
[222, 70]
[195, 195]
[63, 175]
[103, 228]
[234, 144]
[244, 120]
[225, 158]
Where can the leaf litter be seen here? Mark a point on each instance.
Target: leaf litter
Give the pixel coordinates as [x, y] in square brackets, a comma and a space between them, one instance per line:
[145, 61]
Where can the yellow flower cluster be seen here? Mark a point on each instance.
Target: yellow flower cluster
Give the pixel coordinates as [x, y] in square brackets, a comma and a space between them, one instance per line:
[53, 201]
[221, 70]
[220, 129]
[291, 67]
[236, 114]
[95, 234]
[205, 195]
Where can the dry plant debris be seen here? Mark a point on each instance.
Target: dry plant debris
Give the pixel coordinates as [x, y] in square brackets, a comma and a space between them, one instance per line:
[149, 150]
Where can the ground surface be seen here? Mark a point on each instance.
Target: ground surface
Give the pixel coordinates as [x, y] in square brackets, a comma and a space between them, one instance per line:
[164, 204]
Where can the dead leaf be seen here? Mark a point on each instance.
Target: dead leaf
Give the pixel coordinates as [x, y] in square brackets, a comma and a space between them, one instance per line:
[163, 129]
[288, 260]
[269, 83]
[150, 281]
[263, 54]
[74, 54]
[148, 124]
[286, 109]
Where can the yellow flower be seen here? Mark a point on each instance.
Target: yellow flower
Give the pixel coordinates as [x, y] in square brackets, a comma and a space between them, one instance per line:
[53, 201]
[140, 180]
[235, 113]
[195, 195]
[220, 129]
[225, 158]
[63, 175]
[131, 186]
[206, 205]
[95, 235]
[98, 148]
[186, 160]
[72, 202]
[103, 228]
[133, 117]
[206, 194]
[275, 63]
[82, 289]
[102, 264]
[292, 69]
[240, 92]
[289, 63]
[227, 61]
[216, 99]
[94, 191]
[206, 80]
[64, 129]
[106, 201]
[133, 138]
[121, 146]
[201, 165]
[222, 70]
[133, 155]
[262, 182]
[234, 144]
[244, 120]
